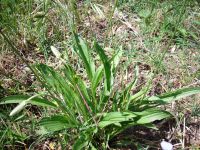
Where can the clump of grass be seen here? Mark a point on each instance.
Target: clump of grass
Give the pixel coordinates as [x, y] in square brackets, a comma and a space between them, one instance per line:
[92, 107]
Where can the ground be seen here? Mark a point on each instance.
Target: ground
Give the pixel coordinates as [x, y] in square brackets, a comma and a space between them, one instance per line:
[162, 37]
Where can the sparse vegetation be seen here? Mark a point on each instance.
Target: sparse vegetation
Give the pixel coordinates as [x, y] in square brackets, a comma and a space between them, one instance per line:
[99, 74]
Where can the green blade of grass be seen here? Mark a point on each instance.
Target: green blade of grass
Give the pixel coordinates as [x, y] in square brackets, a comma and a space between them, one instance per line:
[97, 78]
[107, 66]
[84, 54]
[175, 95]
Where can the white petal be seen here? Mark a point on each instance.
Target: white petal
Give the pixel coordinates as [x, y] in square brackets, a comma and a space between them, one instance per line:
[166, 145]
[55, 52]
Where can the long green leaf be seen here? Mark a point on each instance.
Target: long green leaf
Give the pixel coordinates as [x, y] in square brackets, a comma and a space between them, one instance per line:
[84, 54]
[116, 118]
[34, 101]
[150, 116]
[56, 123]
[97, 78]
[175, 95]
[107, 66]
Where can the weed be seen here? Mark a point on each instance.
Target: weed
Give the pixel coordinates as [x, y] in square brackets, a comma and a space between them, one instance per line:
[93, 108]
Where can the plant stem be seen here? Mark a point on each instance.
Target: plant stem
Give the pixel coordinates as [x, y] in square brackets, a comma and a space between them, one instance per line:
[86, 104]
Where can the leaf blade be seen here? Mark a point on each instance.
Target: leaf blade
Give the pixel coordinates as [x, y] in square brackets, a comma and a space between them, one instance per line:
[175, 95]
[56, 123]
[83, 52]
[151, 115]
[34, 101]
[106, 63]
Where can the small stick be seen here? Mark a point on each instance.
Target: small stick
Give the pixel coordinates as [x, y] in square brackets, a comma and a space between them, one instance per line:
[183, 140]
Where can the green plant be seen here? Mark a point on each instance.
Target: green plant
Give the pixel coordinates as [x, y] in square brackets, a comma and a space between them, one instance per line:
[93, 110]
[11, 135]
